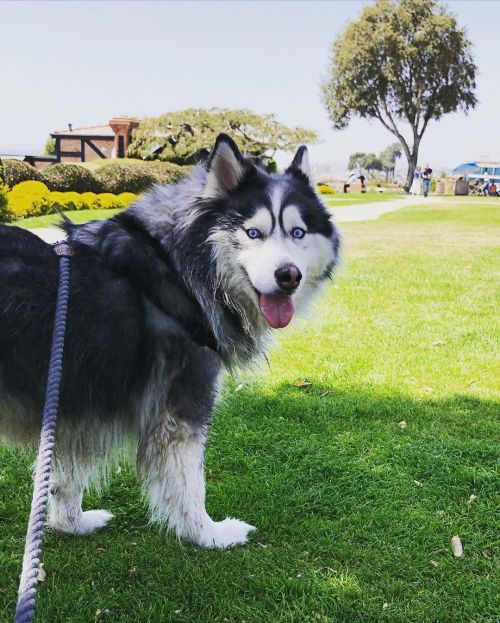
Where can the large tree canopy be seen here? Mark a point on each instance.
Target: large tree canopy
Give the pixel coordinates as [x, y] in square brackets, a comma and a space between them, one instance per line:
[186, 136]
[404, 63]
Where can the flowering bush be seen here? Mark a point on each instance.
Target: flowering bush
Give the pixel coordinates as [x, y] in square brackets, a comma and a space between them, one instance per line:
[16, 171]
[326, 190]
[35, 199]
[117, 176]
[28, 199]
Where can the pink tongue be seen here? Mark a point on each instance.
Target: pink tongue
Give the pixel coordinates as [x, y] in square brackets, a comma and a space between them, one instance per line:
[277, 309]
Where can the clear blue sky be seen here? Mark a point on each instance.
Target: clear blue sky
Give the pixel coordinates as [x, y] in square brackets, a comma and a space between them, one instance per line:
[84, 62]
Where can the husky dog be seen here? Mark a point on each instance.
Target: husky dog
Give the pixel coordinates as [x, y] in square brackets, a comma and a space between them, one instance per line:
[189, 280]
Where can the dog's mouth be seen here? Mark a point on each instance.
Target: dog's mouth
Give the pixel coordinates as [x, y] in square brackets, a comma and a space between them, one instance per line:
[277, 309]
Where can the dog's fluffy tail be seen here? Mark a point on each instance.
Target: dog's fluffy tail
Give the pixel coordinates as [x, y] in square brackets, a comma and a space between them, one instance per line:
[65, 219]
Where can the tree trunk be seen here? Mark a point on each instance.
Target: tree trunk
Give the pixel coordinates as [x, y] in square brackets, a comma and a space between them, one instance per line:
[411, 156]
[412, 159]
[412, 165]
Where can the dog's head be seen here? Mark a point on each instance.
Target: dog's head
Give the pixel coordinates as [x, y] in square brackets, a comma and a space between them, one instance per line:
[273, 239]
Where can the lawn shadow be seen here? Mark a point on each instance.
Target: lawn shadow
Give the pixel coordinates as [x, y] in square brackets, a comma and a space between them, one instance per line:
[350, 506]
[361, 437]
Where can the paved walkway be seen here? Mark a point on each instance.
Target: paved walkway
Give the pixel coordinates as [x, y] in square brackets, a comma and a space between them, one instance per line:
[342, 214]
[371, 211]
[49, 234]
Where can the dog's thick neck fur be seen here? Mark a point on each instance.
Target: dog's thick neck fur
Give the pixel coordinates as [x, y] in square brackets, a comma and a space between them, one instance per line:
[176, 219]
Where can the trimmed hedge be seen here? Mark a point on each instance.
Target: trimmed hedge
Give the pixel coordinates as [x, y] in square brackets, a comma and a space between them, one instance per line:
[112, 176]
[119, 177]
[32, 198]
[16, 171]
[70, 177]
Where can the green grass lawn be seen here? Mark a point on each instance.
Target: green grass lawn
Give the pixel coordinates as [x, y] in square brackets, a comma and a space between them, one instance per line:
[77, 216]
[355, 514]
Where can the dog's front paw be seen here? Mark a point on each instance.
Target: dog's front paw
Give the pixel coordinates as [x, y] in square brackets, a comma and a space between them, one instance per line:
[226, 533]
[90, 521]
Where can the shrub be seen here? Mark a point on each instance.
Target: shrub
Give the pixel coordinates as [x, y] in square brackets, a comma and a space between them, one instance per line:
[109, 201]
[91, 201]
[15, 172]
[87, 201]
[72, 201]
[119, 177]
[167, 172]
[28, 199]
[70, 177]
[6, 214]
[35, 199]
[326, 190]
[57, 199]
[127, 198]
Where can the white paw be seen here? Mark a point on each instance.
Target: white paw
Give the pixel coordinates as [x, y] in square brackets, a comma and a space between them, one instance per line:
[226, 533]
[90, 521]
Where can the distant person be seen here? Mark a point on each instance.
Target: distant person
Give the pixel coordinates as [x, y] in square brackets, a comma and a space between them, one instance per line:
[475, 188]
[492, 190]
[352, 178]
[362, 179]
[426, 178]
[416, 185]
[485, 188]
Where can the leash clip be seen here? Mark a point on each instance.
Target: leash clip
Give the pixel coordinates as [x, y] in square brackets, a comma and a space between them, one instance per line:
[62, 248]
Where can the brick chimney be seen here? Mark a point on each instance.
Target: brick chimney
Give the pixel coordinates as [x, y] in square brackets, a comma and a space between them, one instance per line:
[122, 127]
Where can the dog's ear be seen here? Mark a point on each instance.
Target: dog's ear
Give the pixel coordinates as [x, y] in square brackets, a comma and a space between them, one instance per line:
[226, 168]
[300, 163]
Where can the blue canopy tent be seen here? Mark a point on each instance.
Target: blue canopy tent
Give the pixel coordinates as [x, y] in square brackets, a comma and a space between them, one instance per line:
[479, 170]
[467, 168]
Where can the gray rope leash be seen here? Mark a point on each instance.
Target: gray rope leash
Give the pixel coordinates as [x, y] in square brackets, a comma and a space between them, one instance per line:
[25, 610]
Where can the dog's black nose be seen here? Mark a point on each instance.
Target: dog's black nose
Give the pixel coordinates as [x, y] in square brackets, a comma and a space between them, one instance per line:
[288, 277]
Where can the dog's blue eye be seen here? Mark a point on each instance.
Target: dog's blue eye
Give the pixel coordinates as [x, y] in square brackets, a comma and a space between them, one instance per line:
[254, 233]
[298, 232]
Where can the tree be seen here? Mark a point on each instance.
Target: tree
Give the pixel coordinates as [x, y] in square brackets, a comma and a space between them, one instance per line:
[371, 163]
[388, 158]
[50, 147]
[356, 160]
[404, 63]
[185, 137]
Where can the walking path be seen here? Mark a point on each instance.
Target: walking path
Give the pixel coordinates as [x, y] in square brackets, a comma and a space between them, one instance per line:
[371, 211]
[342, 214]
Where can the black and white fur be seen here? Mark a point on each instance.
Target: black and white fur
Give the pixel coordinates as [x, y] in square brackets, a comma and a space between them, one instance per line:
[162, 298]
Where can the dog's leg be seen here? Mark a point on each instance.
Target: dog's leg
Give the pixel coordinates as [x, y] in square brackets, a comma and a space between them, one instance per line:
[171, 462]
[65, 504]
